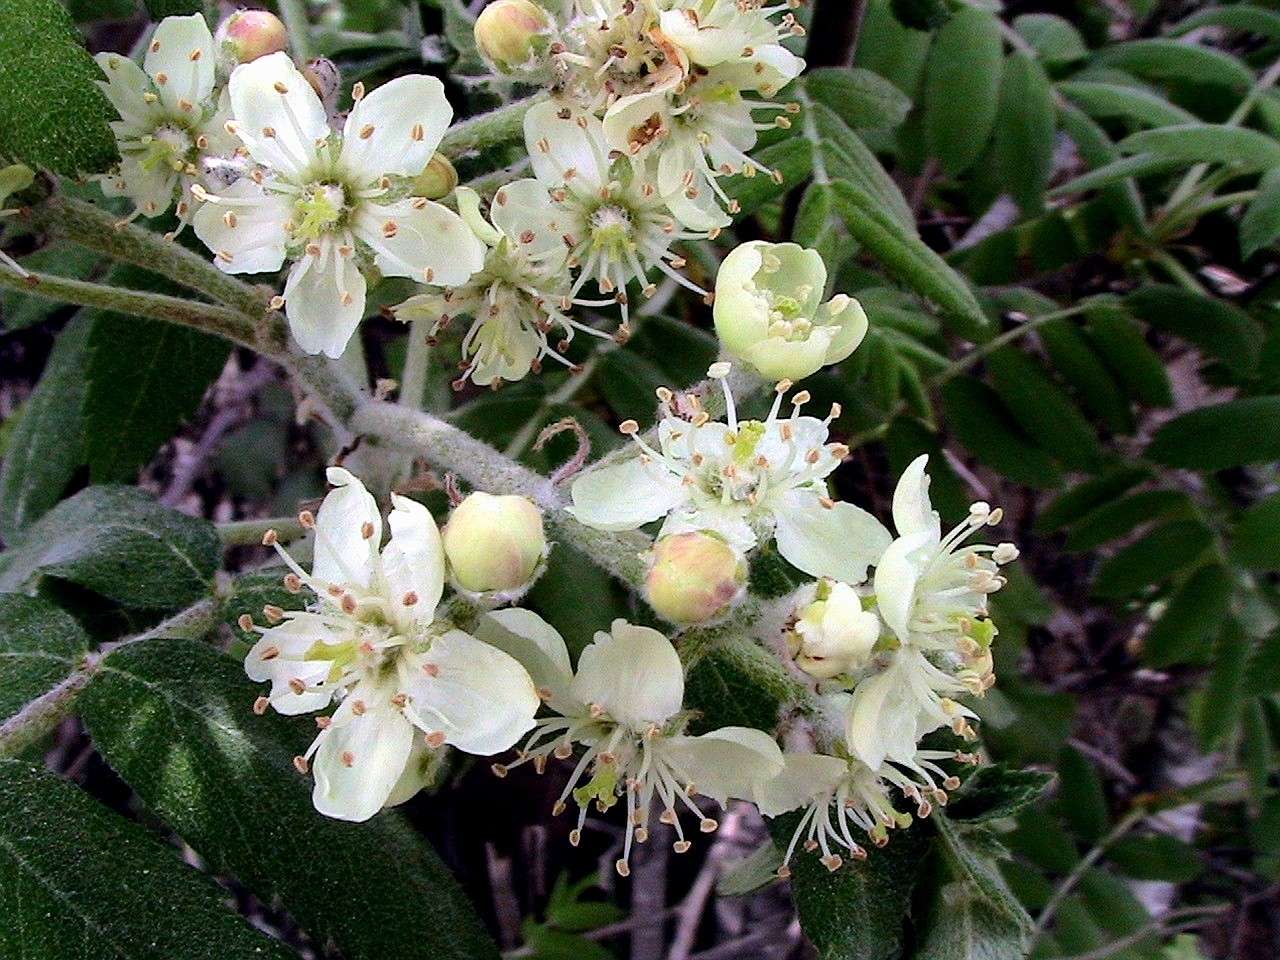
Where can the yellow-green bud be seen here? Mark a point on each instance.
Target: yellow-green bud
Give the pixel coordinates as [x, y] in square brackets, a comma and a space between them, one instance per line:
[507, 31]
[494, 544]
[436, 180]
[694, 577]
[247, 35]
[834, 634]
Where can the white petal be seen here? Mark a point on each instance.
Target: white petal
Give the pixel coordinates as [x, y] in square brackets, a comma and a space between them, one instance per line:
[838, 542]
[912, 511]
[292, 638]
[523, 211]
[360, 759]
[420, 771]
[633, 673]
[395, 129]
[415, 237]
[897, 573]
[882, 719]
[252, 238]
[727, 523]
[413, 560]
[180, 58]
[151, 190]
[556, 145]
[324, 300]
[806, 776]
[538, 647]
[343, 554]
[125, 85]
[729, 763]
[625, 496]
[741, 313]
[294, 121]
[480, 698]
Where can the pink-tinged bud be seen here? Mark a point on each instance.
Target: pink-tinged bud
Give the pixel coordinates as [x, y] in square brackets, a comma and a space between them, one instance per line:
[507, 32]
[436, 180]
[694, 577]
[247, 35]
[494, 544]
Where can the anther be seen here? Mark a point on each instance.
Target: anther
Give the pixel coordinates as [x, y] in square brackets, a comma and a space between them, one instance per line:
[300, 764]
[245, 622]
[260, 705]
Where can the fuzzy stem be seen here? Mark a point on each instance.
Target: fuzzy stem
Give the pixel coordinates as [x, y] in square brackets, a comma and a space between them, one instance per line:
[226, 323]
[489, 129]
[99, 229]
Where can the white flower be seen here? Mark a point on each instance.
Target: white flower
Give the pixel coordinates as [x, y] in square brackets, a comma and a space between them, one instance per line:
[171, 117]
[834, 634]
[329, 203]
[610, 214]
[891, 710]
[374, 642]
[678, 83]
[624, 707]
[932, 590]
[743, 481]
[769, 311]
[519, 296]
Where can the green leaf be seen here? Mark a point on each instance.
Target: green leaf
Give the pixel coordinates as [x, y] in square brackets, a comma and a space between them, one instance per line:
[862, 99]
[857, 912]
[1263, 673]
[1216, 712]
[984, 425]
[1167, 61]
[848, 158]
[80, 881]
[962, 87]
[46, 448]
[1257, 535]
[1097, 150]
[727, 686]
[628, 381]
[1220, 436]
[1024, 139]
[1242, 17]
[1218, 328]
[1068, 508]
[1156, 857]
[118, 542]
[1084, 370]
[145, 378]
[907, 258]
[973, 915]
[995, 791]
[1041, 408]
[1054, 39]
[1191, 620]
[52, 113]
[40, 644]
[792, 159]
[1140, 166]
[1080, 798]
[172, 718]
[1260, 225]
[920, 14]
[891, 50]
[1119, 517]
[1246, 150]
[1158, 555]
[1136, 367]
[1113, 100]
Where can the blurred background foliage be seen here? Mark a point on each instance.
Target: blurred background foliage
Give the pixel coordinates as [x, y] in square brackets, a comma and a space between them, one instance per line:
[1062, 220]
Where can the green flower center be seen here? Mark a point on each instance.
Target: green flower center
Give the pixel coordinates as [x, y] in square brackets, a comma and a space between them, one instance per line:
[321, 208]
[612, 230]
[167, 148]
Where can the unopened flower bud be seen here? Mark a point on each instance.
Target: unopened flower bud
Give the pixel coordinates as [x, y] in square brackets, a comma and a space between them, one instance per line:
[436, 180]
[494, 544]
[325, 79]
[247, 35]
[694, 577]
[834, 634]
[507, 32]
[769, 311]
